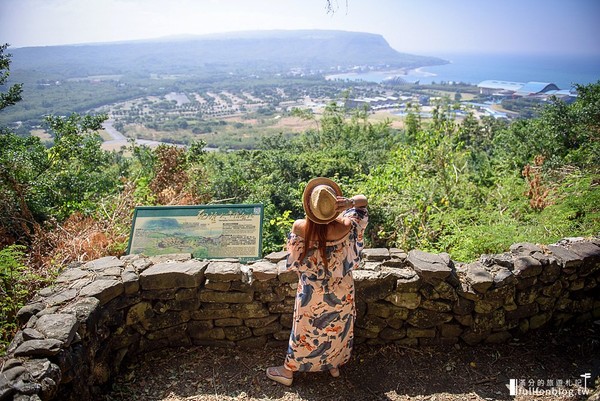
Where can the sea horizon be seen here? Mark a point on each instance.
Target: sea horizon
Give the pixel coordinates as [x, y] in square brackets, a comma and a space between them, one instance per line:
[564, 70]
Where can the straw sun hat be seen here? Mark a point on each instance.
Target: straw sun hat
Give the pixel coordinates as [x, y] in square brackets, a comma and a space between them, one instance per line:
[319, 200]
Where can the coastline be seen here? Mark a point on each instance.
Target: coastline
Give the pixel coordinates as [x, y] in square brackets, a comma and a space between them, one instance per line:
[560, 69]
[413, 75]
[420, 71]
[389, 74]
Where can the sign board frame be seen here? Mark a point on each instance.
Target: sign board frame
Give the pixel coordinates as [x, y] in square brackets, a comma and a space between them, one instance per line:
[205, 231]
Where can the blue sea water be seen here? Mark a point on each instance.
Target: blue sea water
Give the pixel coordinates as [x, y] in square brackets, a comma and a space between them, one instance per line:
[563, 70]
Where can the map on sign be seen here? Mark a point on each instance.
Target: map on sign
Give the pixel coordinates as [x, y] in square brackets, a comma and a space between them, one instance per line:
[207, 231]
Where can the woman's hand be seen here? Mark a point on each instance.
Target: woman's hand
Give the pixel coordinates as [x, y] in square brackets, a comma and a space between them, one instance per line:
[343, 203]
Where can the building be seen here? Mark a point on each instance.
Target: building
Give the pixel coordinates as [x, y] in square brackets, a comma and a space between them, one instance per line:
[374, 103]
[493, 87]
[517, 89]
[535, 88]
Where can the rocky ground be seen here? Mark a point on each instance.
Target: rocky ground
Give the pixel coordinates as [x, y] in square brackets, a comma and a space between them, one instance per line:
[391, 372]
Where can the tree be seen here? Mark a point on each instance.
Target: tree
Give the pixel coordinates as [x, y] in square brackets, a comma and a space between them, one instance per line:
[80, 171]
[22, 163]
[37, 183]
[562, 133]
[412, 121]
[13, 95]
[18, 159]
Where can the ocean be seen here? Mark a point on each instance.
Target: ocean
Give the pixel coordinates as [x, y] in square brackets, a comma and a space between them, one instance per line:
[562, 70]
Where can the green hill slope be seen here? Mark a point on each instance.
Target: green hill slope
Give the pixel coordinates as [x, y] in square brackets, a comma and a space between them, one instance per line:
[272, 50]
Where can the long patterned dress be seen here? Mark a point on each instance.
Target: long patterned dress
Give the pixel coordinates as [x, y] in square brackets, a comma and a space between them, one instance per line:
[324, 311]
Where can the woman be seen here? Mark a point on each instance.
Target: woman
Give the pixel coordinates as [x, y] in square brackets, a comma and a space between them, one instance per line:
[323, 249]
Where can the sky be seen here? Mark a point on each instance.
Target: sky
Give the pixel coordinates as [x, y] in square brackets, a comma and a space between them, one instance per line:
[428, 27]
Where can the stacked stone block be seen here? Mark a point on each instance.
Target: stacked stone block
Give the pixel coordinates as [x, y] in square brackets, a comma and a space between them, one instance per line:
[76, 333]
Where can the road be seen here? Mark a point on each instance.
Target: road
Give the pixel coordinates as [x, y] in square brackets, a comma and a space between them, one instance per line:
[119, 140]
[112, 131]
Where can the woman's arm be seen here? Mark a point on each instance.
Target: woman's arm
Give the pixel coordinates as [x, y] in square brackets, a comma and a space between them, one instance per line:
[355, 201]
[299, 227]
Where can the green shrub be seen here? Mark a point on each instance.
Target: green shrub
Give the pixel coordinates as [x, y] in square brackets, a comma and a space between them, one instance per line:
[16, 285]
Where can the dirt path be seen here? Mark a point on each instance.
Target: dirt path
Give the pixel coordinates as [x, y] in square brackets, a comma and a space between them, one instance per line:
[392, 372]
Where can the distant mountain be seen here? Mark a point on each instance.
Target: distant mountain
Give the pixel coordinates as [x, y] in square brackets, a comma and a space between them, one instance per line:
[270, 50]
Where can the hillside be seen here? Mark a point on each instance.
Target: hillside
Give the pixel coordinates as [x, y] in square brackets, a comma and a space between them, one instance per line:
[270, 50]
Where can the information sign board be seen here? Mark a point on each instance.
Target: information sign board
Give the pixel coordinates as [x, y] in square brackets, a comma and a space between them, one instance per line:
[205, 231]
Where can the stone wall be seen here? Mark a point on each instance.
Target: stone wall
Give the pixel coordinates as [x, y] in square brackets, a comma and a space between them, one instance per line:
[76, 333]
